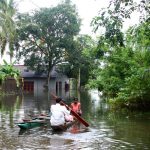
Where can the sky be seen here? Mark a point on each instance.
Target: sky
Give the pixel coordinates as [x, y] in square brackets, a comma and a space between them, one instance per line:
[87, 10]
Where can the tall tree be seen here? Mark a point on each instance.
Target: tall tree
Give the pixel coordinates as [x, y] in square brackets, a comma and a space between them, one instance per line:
[7, 26]
[46, 37]
[81, 62]
[112, 18]
[125, 74]
[85, 62]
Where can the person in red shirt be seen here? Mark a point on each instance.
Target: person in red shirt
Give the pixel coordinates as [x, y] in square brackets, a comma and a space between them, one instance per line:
[76, 106]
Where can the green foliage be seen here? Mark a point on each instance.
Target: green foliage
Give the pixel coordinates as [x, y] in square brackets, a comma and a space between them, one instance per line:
[8, 70]
[47, 36]
[7, 24]
[124, 77]
[82, 58]
[112, 18]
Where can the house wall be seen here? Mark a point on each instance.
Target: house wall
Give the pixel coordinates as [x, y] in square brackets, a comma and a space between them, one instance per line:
[60, 89]
[52, 85]
[60, 84]
[39, 86]
[39, 83]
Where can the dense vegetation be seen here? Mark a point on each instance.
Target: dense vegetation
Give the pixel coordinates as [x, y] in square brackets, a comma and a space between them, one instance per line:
[7, 27]
[124, 76]
[8, 38]
[117, 64]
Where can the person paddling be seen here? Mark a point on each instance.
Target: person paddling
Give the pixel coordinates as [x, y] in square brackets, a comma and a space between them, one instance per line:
[75, 115]
[76, 106]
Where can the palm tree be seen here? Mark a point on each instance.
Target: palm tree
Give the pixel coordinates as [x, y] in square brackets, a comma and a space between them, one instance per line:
[7, 26]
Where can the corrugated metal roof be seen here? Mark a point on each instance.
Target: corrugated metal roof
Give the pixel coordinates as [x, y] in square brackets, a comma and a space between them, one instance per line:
[26, 73]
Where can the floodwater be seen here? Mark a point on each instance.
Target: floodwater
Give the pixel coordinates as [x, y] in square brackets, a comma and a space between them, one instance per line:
[107, 131]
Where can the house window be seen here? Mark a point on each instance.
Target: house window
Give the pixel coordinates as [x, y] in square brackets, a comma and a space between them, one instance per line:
[66, 86]
[28, 86]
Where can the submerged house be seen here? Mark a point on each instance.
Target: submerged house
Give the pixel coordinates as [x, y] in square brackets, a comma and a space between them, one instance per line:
[33, 82]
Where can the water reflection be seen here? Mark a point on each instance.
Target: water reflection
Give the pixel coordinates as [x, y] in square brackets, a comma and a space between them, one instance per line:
[108, 130]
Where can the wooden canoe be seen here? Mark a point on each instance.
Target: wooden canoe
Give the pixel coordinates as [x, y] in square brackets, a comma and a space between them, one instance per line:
[31, 124]
[63, 127]
[28, 124]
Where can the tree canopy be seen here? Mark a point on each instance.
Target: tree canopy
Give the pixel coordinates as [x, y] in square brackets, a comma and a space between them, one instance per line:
[81, 60]
[7, 26]
[46, 37]
[124, 76]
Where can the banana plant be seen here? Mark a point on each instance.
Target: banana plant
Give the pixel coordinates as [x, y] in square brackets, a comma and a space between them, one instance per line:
[8, 70]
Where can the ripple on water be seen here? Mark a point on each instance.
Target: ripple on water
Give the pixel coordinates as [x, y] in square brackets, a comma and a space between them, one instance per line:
[92, 139]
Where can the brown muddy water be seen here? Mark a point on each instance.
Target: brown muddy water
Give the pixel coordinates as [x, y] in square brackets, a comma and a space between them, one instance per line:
[107, 130]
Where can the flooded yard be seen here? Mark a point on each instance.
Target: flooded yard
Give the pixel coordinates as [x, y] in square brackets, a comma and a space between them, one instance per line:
[107, 130]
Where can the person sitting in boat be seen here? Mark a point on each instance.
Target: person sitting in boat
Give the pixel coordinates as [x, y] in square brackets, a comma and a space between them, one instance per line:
[76, 106]
[58, 114]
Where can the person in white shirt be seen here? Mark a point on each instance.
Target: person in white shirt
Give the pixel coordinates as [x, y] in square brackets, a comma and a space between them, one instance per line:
[58, 113]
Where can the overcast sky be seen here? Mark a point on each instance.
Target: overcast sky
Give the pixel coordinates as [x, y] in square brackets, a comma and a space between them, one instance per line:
[87, 9]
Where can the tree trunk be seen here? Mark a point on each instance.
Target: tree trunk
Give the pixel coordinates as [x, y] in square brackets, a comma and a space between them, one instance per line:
[78, 86]
[48, 82]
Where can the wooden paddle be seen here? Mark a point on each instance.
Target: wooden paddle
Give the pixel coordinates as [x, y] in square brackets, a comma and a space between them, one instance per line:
[79, 118]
